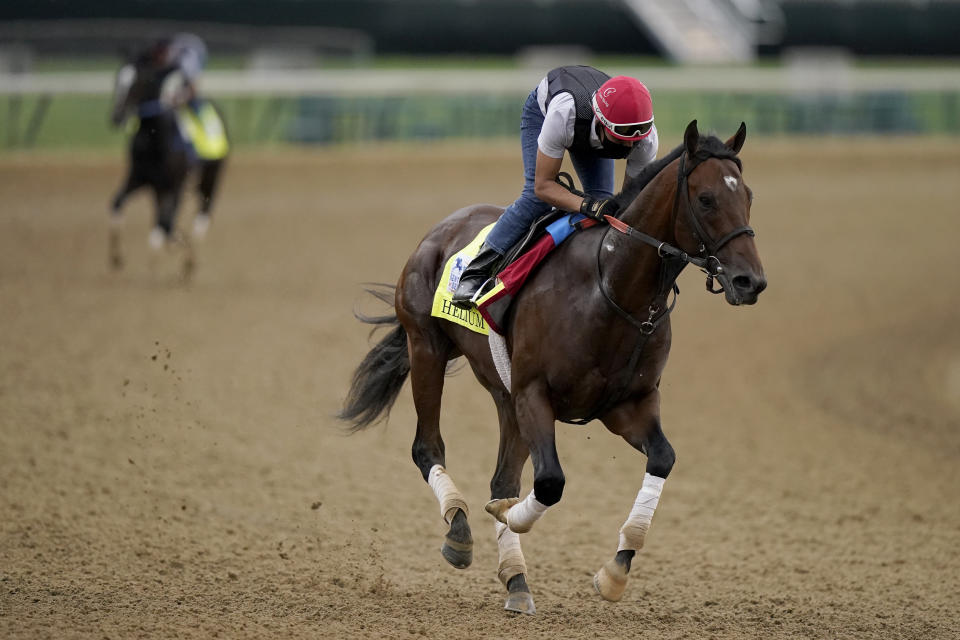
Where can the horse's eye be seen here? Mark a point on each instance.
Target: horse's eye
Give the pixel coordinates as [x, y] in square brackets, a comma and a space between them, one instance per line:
[706, 200]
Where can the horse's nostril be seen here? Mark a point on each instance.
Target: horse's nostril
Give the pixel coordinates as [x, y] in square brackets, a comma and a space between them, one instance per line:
[749, 285]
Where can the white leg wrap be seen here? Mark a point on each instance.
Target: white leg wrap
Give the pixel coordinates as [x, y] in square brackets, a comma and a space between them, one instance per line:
[447, 494]
[511, 557]
[634, 530]
[521, 516]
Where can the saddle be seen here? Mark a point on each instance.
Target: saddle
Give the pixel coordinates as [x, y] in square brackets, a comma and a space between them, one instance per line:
[538, 228]
[508, 277]
[536, 231]
[546, 233]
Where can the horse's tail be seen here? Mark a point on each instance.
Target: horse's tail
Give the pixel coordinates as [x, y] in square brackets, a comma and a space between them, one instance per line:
[380, 376]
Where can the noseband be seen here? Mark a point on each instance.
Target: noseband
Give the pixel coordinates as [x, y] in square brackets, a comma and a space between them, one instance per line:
[707, 259]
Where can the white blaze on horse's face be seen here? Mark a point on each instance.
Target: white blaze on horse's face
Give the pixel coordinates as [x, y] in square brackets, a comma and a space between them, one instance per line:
[731, 182]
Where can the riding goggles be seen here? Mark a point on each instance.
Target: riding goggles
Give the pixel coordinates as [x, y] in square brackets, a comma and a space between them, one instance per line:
[631, 131]
[635, 130]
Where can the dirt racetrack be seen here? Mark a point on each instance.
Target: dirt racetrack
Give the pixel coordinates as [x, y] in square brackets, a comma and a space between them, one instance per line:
[169, 466]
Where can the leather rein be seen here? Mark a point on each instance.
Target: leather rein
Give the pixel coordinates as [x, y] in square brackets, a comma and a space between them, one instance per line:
[673, 260]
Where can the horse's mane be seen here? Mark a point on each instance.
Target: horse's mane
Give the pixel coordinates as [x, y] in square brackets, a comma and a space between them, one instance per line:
[633, 186]
[708, 146]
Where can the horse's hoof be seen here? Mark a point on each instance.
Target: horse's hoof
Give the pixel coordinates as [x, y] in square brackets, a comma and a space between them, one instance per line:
[457, 546]
[458, 554]
[520, 602]
[611, 581]
[498, 508]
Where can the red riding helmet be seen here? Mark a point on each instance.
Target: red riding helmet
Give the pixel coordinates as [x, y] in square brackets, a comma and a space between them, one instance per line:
[624, 108]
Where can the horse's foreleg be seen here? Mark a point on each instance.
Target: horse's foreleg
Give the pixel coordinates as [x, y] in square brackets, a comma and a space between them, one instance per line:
[209, 177]
[130, 184]
[427, 368]
[167, 201]
[207, 186]
[638, 424]
[505, 483]
[536, 424]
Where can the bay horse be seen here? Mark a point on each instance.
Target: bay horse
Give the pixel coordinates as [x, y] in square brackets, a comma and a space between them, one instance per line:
[588, 335]
[160, 156]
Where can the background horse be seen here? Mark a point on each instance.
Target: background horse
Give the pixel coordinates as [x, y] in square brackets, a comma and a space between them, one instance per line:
[161, 156]
[588, 335]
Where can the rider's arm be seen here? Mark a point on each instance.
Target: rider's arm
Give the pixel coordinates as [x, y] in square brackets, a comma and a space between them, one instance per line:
[546, 187]
[175, 90]
[556, 135]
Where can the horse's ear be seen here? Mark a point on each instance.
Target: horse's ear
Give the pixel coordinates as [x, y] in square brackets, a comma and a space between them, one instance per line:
[736, 142]
[691, 137]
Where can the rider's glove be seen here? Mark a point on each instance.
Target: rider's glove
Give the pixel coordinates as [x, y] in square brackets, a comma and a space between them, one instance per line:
[597, 208]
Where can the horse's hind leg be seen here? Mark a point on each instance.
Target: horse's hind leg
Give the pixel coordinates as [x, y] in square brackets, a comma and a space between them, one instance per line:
[428, 362]
[165, 231]
[536, 425]
[639, 424]
[505, 483]
[209, 178]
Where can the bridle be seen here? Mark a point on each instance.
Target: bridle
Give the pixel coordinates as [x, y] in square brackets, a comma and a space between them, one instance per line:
[707, 259]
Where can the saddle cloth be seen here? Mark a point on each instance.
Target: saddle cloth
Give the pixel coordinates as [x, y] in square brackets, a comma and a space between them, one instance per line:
[204, 129]
[443, 306]
[498, 293]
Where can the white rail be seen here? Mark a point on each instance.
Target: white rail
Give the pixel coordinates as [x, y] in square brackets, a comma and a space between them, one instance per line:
[785, 80]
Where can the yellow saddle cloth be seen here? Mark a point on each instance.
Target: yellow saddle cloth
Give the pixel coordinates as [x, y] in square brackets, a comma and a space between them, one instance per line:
[443, 306]
[205, 130]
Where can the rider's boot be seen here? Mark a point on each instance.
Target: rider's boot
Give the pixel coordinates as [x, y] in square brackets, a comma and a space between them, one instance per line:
[476, 273]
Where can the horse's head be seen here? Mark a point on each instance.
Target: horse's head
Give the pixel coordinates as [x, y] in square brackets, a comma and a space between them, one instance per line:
[139, 80]
[713, 214]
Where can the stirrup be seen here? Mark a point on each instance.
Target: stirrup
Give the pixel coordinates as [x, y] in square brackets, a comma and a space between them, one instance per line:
[463, 301]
